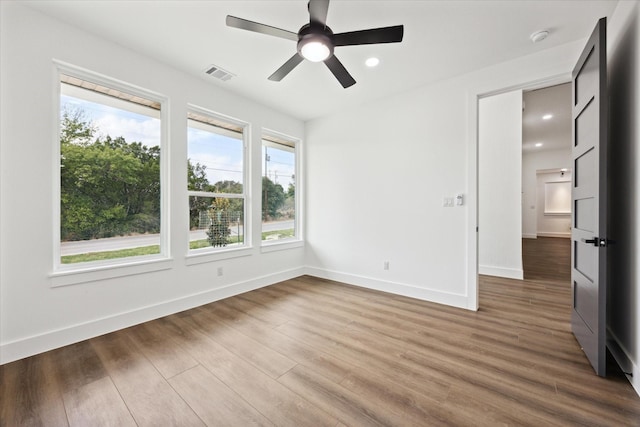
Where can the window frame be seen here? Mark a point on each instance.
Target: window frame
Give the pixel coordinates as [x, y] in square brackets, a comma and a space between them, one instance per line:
[69, 274]
[209, 254]
[275, 137]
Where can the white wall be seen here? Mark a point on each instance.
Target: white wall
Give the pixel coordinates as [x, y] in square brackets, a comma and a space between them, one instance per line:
[499, 185]
[552, 225]
[623, 300]
[376, 182]
[532, 162]
[377, 175]
[34, 316]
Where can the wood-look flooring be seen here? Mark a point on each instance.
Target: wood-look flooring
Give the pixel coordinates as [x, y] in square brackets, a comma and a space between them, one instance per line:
[547, 258]
[311, 352]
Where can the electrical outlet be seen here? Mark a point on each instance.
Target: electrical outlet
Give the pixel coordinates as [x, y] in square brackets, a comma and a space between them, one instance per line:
[220, 271]
[386, 265]
[447, 202]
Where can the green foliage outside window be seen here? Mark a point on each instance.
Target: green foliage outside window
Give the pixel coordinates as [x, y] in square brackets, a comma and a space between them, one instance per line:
[109, 187]
[273, 198]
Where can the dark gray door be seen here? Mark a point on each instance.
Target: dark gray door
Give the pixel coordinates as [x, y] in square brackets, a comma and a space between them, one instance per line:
[589, 194]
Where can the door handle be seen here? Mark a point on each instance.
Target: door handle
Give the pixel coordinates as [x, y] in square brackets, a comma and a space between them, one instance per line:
[595, 242]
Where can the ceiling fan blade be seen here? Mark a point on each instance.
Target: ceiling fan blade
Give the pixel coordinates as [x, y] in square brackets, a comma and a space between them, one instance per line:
[245, 24]
[318, 11]
[375, 35]
[286, 68]
[340, 72]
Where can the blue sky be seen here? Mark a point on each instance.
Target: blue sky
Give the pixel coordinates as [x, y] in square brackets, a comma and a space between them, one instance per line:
[223, 155]
[116, 122]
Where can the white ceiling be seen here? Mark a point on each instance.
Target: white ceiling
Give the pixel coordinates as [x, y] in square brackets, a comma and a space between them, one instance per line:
[554, 133]
[442, 39]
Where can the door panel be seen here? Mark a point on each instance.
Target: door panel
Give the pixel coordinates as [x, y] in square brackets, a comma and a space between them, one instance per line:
[587, 79]
[589, 194]
[586, 260]
[585, 299]
[584, 166]
[587, 126]
[585, 216]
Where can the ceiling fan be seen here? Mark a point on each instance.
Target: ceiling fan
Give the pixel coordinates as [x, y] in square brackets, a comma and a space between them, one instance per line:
[316, 41]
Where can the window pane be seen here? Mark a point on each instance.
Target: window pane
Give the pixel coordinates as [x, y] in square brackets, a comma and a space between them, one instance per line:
[215, 222]
[278, 191]
[215, 150]
[109, 174]
[215, 158]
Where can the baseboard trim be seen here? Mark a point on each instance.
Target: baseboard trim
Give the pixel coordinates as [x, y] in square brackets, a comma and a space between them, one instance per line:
[624, 360]
[529, 236]
[30, 346]
[509, 273]
[555, 234]
[454, 300]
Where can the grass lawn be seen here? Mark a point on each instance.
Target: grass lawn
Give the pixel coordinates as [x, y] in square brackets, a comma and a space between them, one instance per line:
[100, 256]
[155, 249]
[283, 234]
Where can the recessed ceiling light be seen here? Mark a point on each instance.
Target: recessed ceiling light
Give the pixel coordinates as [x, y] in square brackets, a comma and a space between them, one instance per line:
[538, 36]
[372, 62]
[538, 144]
[547, 116]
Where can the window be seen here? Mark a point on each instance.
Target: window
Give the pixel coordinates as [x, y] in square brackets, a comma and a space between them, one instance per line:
[279, 206]
[110, 173]
[216, 177]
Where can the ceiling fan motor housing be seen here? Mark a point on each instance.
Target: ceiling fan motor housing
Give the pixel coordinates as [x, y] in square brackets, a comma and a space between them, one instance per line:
[310, 33]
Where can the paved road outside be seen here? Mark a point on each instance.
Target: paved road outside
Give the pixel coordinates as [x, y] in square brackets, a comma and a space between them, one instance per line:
[128, 242]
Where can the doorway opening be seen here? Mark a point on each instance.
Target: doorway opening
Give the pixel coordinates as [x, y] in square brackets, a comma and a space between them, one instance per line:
[546, 183]
[524, 183]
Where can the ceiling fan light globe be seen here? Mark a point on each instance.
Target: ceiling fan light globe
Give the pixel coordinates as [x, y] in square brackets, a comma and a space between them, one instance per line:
[315, 51]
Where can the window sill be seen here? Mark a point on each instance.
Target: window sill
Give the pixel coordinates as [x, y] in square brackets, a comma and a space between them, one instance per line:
[203, 256]
[281, 245]
[76, 274]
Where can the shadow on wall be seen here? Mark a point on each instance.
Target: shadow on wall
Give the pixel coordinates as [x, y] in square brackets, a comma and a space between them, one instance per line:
[622, 300]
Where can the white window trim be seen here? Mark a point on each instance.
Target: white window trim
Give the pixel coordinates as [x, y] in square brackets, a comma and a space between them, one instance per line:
[101, 270]
[281, 245]
[298, 240]
[212, 254]
[205, 255]
[67, 274]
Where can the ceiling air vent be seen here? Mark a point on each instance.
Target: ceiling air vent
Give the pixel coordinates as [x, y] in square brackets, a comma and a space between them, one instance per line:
[219, 73]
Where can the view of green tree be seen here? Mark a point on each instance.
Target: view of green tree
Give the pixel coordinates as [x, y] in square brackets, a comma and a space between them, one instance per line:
[76, 128]
[197, 177]
[197, 181]
[291, 191]
[273, 198]
[227, 187]
[108, 187]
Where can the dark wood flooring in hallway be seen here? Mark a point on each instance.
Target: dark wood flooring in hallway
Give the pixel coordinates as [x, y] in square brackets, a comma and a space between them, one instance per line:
[547, 258]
